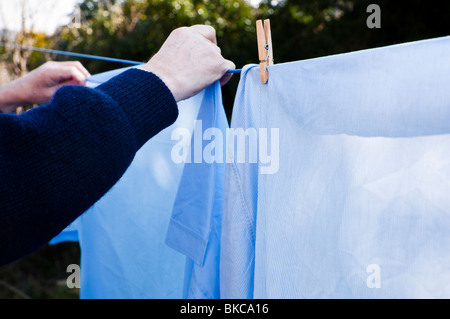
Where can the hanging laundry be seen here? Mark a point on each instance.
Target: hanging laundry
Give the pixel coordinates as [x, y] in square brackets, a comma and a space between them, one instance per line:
[122, 237]
[195, 224]
[358, 205]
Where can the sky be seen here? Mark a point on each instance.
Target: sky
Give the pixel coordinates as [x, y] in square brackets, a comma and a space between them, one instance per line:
[45, 15]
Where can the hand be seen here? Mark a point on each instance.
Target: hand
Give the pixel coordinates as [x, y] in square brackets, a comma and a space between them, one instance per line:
[189, 61]
[39, 85]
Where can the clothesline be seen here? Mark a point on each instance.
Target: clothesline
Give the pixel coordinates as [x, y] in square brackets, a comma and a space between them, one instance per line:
[80, 55]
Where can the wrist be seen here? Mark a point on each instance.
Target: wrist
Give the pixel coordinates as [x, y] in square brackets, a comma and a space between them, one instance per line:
[147, 101]
[169, 81]
[10, 97]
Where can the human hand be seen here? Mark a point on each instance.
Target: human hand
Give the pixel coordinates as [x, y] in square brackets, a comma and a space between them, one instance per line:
[189, 61]
[39, 85]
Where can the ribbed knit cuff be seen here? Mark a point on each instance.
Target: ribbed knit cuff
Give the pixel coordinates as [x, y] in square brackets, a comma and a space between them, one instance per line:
[146, 100]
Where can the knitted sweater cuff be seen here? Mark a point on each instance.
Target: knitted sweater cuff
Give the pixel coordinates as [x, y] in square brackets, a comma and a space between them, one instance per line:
[147, 101]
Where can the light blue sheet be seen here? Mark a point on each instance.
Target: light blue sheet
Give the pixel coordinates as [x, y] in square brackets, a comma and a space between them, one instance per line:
[359, 205]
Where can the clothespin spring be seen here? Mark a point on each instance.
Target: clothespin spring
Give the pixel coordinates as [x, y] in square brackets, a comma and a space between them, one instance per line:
[267, 56]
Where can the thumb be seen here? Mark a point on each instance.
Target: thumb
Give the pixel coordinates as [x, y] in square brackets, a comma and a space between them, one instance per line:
[225, 78]
[228, 65]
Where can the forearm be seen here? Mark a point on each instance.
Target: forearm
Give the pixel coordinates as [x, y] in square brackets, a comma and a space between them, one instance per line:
[60, 158]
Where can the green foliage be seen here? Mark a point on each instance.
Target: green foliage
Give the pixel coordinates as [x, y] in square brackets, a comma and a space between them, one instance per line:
[135, 30]
[42, 274]
[40, 40]
[305, 29]
[26, 59]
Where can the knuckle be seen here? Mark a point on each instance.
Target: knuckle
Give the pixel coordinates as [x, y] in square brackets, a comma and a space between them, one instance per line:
[211, 29]
[48, 64]
[180, 31]
[74, 72]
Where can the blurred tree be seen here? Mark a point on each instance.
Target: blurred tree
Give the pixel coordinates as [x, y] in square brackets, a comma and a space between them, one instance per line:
[305, 29]
[18, 61]
[136, 29]
[21, 29]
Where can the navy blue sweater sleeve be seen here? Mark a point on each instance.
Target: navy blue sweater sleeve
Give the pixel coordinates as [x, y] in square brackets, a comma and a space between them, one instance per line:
[58, 159]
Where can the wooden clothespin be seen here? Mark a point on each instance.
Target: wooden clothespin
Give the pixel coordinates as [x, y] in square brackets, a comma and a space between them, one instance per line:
[265, 50]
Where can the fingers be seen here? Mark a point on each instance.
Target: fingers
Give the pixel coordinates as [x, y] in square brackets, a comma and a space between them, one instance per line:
[63, 74]
[71, 75]
[209, 33]
[206, 31]
[189, 61]
[77, 65]
[217, 48]
[80, 68]
[70, 72]
[76, 70]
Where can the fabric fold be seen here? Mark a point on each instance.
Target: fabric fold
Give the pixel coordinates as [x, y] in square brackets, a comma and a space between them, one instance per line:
[195, 224]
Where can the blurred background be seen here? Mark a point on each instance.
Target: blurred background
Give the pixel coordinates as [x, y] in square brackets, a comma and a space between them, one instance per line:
[135, 29]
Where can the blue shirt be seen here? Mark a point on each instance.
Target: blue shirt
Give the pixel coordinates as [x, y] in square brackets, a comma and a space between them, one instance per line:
[123, 236]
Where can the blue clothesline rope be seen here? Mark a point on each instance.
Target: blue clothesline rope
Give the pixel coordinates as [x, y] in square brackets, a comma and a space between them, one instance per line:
[80, 55]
